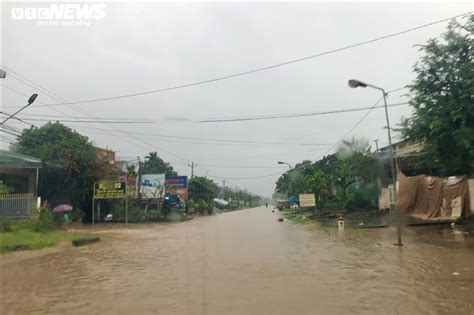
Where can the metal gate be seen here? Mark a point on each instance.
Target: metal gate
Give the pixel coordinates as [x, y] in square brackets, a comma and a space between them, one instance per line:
[17, 206]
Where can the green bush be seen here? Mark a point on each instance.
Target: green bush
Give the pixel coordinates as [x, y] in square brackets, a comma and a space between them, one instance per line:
[135, 214]
[190, 204]
[363, 199]
[5, 226]
[45, 221]
[204, 207]
[4, 189]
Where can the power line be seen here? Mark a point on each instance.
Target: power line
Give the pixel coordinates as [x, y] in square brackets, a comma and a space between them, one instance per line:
[90, 121]
[16, 118]
[293, 115]
[297, 115]
[16, 91]
[210, 140]
[55, 96]
[352, 128]
[285, 63]
[36, 86]
[65, 116]
[235, 178]
[84, 117]
[235, 166]
[396, 90]
[11, 128]
[2, 139]
[9, 132]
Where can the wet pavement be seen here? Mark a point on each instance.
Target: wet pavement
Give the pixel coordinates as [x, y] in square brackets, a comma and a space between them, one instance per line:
[245, 262]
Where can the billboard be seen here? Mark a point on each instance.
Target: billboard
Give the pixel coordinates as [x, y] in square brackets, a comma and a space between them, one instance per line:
[152, 186]
[131, 179]
[307, 200]
[178, 185]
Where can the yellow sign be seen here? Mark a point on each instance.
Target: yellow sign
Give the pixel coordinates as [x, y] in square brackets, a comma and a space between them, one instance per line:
[109, 190]
[307, 200]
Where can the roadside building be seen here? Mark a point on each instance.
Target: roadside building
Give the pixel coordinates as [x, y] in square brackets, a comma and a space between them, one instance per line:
[406, 152]
[106, 154]
[19, 173]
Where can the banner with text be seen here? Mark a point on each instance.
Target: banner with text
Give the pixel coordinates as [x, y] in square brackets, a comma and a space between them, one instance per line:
[307, 200]
[109, 190]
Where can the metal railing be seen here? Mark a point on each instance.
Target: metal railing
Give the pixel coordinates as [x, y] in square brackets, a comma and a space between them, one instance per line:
[17, 206]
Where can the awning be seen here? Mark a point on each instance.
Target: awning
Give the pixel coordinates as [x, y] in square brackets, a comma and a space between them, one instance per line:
[11, 159]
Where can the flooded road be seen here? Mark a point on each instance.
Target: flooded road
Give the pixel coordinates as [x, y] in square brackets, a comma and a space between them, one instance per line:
[245, 262]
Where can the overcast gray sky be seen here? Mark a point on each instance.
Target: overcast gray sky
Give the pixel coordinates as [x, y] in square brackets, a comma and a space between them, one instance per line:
[149, 46]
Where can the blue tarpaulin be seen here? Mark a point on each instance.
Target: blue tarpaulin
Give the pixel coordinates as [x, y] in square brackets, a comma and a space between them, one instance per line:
[293, 200]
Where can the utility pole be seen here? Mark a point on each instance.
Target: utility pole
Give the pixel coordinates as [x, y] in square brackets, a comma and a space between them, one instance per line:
[192, 165]
[223, 189]
[376, 145]
[139, 182]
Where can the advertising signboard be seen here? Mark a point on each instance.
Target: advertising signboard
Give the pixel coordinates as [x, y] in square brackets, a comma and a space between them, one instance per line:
[110, 190]
[152, 186]
[307, 200]
[131, 179]
[178, 185]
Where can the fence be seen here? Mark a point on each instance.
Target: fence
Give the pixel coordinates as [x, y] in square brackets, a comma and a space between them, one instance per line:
[17, 206]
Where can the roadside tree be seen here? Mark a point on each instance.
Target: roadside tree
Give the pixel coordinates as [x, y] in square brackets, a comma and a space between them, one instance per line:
[443, 101]
[202, 188]
[71, 164]
[155, 165]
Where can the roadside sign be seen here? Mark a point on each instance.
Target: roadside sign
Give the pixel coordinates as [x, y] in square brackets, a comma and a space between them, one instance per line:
[307, 200]
[110, 190]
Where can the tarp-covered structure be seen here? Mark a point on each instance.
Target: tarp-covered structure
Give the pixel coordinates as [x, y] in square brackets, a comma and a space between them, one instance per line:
[432, 198]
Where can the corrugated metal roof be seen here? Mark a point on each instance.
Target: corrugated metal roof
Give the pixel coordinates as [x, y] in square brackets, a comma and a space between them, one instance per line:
[11, 159]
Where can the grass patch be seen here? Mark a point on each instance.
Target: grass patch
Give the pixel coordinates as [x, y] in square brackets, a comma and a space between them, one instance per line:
[22, 238]
[296, 216]
[300, 220]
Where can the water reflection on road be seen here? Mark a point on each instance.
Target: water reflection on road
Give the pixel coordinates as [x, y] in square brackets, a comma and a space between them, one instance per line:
[246, 262]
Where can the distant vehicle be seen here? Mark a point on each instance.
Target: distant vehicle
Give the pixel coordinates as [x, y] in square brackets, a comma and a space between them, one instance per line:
[174, 207]
[173, 201]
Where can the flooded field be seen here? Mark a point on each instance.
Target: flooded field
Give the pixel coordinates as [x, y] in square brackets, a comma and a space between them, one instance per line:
[245, 262]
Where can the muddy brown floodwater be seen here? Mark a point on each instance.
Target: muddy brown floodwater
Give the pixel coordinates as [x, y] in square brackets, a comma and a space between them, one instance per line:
[245, 262]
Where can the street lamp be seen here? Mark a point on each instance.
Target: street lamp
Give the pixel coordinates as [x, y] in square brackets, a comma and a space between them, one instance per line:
[289, 165]
[31, 100]
[355, 84]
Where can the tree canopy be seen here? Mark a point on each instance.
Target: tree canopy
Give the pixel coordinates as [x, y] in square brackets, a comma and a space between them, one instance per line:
[351, 173]
[71, 164]
[155, 165]
[236, 195]
[442, 99]
[202, 188]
